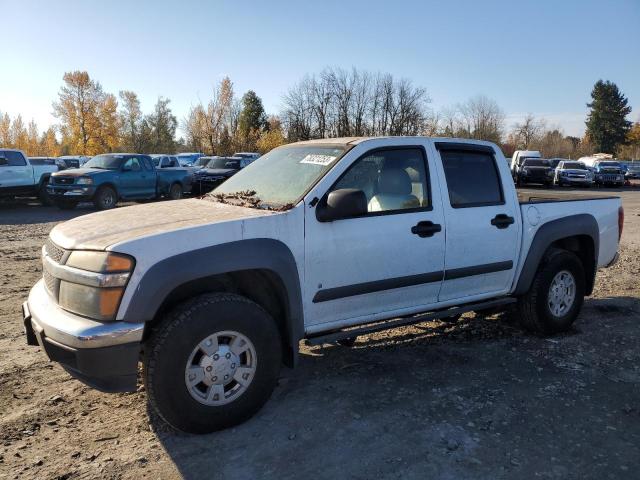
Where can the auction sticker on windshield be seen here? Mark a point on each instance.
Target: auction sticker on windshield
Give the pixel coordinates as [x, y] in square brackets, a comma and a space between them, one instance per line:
[317, 159]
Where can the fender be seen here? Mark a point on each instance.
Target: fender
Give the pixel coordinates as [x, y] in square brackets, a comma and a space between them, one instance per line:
[261, 253]
[583, 224]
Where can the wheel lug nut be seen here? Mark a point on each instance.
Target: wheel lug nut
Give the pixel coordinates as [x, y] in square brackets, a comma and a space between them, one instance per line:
[215, 379]
[226, 377]
[233, 365]
[228, 355]
[216, 357]
[208, 369]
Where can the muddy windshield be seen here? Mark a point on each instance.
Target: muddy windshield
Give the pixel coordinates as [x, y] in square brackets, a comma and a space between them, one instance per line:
[280, 178]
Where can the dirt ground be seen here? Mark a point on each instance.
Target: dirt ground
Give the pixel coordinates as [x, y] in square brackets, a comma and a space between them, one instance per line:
[477, 399]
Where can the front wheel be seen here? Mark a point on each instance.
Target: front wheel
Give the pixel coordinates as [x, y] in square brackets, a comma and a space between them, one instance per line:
[555, 297]
[105, 198]
[212, 363]
[44, 197]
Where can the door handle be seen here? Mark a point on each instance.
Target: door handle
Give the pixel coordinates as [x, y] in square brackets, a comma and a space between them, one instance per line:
[502, 221]
[426, 229]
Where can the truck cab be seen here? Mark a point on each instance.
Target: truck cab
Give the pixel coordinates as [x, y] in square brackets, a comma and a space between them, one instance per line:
[18, 176]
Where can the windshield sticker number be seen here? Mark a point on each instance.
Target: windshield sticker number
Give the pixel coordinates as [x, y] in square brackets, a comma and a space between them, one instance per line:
[317, 159]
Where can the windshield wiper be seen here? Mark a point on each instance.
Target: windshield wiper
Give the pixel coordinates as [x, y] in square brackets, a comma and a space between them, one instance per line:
[247, 198]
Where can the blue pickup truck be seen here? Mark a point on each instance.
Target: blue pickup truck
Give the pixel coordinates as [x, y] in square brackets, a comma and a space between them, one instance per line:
[107, 178]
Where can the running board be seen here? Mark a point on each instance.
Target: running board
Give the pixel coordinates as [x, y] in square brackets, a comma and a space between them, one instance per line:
[334, 336]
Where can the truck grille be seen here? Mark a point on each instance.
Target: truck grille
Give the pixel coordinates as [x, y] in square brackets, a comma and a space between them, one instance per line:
[51, 283]
[62, 180]
[610, 177]
[53, 251]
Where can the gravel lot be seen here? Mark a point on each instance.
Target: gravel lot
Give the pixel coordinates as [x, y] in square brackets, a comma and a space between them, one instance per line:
[476, 399]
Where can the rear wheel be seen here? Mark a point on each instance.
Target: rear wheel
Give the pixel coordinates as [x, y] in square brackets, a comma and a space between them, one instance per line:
[105, 198]
[213, 363]
[175, 192]
[556, 295]
[44, 197]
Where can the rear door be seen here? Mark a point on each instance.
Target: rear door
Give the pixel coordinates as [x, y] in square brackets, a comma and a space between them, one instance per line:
[482, 223]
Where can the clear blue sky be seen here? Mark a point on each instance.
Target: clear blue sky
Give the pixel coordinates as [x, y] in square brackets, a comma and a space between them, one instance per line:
[541, 56]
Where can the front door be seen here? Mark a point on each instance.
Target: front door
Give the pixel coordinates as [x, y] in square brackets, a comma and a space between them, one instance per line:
[133, 179]
[15, 174]
[482, 225]
[387, 262]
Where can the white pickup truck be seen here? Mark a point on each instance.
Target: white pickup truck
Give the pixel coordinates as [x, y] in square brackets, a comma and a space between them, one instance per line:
[319, 240]
[18, 176]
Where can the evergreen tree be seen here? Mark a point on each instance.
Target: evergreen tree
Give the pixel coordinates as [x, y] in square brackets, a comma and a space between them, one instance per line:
[607, 125]
[253, 120]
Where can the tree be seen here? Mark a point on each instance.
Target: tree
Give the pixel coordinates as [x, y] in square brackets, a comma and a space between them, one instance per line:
[271, 137]
[631, 150]
[528, 131]
[88, 115]
[607, 126]
[49, 145]
[19, 136]
[251, 121]
[480, 118]
[162, 126]
[5, 131]
[33, 144]
[131, 139]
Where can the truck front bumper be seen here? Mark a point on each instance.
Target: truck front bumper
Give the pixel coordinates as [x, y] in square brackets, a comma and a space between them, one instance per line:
[80, 193]
[104, 355]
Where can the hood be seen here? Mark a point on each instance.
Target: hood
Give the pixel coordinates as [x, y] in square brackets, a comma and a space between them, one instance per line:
[97, 231]
[80, 172]
[217, 171]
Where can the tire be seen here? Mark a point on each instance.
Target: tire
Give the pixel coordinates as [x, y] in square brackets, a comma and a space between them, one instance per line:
[175, 192]
[44, 197]
[534, 307]
[105, 198]
[66, 204]
[169, 357]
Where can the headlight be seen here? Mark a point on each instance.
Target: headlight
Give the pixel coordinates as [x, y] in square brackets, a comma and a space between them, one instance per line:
[92, 283]
[85, 181]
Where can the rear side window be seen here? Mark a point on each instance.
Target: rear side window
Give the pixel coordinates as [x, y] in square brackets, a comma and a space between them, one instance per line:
[472, 179]
[146, 161]
[14, 159]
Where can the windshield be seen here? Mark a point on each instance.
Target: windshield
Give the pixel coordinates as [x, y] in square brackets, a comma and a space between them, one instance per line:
[535, 163]
[281, 177]
[574, 166]
[202, 161]
[609, 164]
[105, 162]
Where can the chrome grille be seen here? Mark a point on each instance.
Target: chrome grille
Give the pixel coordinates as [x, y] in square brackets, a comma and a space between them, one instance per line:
[62, 180]
[53, 251]
[51, 283]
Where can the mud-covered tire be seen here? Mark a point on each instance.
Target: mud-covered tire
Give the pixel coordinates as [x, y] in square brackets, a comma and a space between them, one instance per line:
[169, 352]
[175, 192]
[44, 197]
[534, 310]
[105, 198]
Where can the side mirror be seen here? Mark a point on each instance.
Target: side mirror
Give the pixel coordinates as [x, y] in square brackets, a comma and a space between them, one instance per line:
[4, 161]
[340, 204]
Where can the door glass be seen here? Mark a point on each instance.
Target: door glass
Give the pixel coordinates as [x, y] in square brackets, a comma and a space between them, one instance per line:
[132, 164]
[15, 159]
[472, 179]
[392, 180]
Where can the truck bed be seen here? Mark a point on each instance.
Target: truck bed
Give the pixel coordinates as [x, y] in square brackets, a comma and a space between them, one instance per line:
[526, 196]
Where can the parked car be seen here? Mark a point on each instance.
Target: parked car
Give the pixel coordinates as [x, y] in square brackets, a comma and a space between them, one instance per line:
[608, 172]
[554, 162]
[248, 155]
[19, 176]
[318, 240]
[216, 171]
[534, 170]
[571, 172]
[165, 161]
[106, 179]
[633, 170]
[188, 159]
[72, 161]
[518, 158]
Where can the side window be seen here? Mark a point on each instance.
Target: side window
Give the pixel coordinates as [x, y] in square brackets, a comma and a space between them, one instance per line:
[173, 162]
[472, 179]
[132, 164]
[15, 159]
[164, 162]
[146, 163]
[392, 180]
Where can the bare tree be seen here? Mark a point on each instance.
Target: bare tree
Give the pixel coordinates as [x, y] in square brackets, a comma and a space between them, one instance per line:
[528, 131]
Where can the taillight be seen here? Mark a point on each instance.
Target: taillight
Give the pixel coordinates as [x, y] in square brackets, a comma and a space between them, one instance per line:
[620, 222]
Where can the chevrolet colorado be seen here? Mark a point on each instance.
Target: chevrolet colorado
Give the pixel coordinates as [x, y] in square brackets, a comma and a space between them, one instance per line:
[319, 240]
